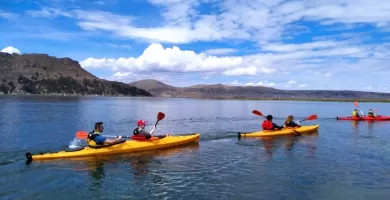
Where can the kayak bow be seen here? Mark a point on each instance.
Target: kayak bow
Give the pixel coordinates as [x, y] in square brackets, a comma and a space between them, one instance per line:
[121, 147]
[284, 131]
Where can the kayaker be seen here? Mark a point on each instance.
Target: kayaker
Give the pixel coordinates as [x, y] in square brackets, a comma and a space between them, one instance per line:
[140, 130]
[355, 113]
[290, 122]
[99, 139]
[269, 125]
[371, 113]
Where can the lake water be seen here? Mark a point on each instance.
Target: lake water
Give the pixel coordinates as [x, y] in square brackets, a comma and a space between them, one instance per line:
[344, 160]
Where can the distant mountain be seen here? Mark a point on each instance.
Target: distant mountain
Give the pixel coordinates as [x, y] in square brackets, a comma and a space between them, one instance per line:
[159, 89]
[44, 74]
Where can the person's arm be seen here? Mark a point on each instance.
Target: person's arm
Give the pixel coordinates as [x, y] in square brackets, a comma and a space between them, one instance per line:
[113, 141]
[296, 124]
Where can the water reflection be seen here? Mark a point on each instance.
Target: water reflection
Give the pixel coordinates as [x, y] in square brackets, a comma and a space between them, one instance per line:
[96, 173]
[370, 125]
[139, 161]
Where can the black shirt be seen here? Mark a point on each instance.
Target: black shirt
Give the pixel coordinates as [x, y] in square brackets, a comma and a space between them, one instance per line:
[138, 131]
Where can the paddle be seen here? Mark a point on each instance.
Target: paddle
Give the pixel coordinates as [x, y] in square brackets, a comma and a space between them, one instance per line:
[160, 116]
[311, 117]
[84, 134]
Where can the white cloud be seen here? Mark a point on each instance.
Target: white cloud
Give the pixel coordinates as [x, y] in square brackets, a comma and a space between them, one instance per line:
[302, 46]
[302, 85]
[259, 83]
[8, 15]
[231, 19]
[292, 82]
[120, 74]
[158, 58]
[11, 50]
[50, 13]
[249, 71]
[220, 51]
[328, 74]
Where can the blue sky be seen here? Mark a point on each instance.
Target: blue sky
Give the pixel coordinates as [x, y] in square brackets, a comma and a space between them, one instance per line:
[301, 44]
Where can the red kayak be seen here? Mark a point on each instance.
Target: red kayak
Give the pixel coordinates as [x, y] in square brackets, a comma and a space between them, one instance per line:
[379, 118]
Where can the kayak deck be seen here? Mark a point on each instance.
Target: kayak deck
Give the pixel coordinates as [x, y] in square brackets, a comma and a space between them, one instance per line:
[379, 118]
[124, 147]
[284, 131]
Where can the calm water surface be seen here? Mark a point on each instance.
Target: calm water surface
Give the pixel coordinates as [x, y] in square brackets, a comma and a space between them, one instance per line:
[344, 160]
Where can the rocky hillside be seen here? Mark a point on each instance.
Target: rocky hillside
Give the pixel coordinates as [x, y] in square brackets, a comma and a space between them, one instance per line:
[160, 89]
[44, 74]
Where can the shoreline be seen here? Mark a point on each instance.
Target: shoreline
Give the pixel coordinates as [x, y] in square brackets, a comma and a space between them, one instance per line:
[211, 98]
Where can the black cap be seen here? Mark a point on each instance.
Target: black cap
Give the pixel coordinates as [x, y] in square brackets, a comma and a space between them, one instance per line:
[269, 117]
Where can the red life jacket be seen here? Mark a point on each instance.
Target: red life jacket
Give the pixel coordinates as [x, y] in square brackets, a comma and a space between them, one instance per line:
[267, 125]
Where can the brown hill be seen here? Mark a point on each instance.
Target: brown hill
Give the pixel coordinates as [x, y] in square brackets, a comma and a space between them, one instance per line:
[254, 92]
[44, 74]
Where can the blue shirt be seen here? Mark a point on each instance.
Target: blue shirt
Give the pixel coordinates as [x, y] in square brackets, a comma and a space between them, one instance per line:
[99, 139]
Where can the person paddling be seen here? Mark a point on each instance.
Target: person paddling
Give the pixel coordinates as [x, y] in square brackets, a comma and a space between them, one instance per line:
[269, 125]
[371, 113]
[355, 113]
[290, 122]
[140, 130]
[99, 139]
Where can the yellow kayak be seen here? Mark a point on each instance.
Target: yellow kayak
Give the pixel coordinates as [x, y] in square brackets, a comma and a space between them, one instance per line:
[284, 131]
[122, 147]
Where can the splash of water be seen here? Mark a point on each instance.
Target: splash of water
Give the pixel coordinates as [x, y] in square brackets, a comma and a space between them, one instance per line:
[76, 143]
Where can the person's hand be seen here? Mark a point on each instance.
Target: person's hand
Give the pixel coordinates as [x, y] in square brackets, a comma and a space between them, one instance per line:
[120, 137]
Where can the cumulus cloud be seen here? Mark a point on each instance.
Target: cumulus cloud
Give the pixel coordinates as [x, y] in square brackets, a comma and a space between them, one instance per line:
[10, 50]
[157, 58]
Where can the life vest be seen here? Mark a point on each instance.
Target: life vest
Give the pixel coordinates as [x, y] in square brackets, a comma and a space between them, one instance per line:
[267, 125]
[91, 136]
[354, 113]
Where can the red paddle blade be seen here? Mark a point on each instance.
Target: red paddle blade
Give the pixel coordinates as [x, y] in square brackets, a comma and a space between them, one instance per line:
[356, 103]
[81, 135]
[160, 116]
[256, 112]
[312, 117]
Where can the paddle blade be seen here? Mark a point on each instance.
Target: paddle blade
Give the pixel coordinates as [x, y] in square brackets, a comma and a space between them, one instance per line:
[81, 135]
[160, 116]
[312, 117]
[256, 112]
[356, 104]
